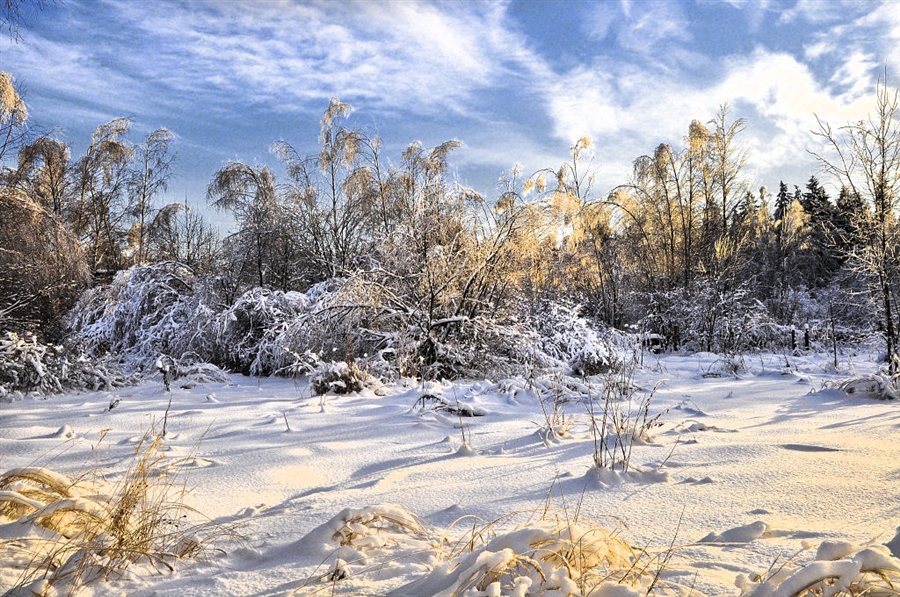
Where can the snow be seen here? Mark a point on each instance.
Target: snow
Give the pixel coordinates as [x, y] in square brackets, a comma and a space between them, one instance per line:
[764, 480]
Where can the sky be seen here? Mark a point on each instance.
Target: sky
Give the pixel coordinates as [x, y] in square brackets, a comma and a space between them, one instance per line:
[517, 81]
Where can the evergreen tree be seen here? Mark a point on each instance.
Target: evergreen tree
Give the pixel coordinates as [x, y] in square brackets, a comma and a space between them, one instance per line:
[824, 260]
[849, 212]
[782, 201]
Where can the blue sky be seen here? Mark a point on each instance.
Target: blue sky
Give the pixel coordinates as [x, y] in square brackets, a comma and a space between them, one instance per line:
[517, 81]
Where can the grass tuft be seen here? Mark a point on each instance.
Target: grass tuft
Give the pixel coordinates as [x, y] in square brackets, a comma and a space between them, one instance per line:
[90, 531]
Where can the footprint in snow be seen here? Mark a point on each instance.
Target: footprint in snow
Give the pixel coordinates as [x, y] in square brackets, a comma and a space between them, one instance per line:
[694, 481]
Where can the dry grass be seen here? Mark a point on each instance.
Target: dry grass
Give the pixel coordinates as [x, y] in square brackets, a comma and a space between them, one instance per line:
[869, 571]
[548, 553]
[359, 526]
[94, 530]
[543, 552]
[883, 384]
[617, 420]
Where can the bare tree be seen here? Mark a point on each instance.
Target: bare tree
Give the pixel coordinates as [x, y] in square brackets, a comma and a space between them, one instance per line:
[726, 161]
[178, 233]
[865, 158]
[11, 14]
[151, 174]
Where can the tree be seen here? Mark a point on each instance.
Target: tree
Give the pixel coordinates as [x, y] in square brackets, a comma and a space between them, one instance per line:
[178, 233]
[13, 115]
[865, 157]
[249, 193]
[42, 267]
[850, 211]
[150, 175]
[43, 174]
[823, 262]
[726, 162]
[101, 177]
[338, 197]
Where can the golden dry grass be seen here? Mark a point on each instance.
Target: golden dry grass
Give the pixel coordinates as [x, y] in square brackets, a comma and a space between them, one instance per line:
[94, 530]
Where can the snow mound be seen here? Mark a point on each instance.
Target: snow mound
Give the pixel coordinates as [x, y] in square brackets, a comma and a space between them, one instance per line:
[839, 569]
[743, 534]
[544, 557]
[882, 384]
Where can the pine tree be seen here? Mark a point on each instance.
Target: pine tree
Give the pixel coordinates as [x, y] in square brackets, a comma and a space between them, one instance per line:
[821, 233]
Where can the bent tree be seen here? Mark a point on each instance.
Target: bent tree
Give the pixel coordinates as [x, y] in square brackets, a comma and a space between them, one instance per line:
[865, 158]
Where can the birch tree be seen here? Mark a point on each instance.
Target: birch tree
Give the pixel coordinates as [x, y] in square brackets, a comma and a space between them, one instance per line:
[150, 175]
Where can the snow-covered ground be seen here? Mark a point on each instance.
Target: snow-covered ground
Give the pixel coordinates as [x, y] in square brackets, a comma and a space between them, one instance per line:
[743, 472]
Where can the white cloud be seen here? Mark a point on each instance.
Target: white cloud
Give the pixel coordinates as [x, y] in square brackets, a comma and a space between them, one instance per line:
[628, 113]
[639, 27]
[871, 29]
[817, 11]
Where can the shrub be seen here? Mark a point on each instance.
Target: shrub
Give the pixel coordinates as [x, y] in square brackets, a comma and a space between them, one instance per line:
[247, 333]
[618, 421]
[145, 312]
[839, 569]
[554, 554]
[42, 266]
[884, 384]
[568, 339]
[338, 378]
[27, 366]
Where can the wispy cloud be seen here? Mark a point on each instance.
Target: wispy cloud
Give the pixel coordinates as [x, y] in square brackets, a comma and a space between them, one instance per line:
[648, 25]
[411, 56]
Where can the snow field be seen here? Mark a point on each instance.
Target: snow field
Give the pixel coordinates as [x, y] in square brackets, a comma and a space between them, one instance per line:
[743, 472]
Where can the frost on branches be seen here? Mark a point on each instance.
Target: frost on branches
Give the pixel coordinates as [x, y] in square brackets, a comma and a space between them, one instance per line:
[165, 309]
[29, 367]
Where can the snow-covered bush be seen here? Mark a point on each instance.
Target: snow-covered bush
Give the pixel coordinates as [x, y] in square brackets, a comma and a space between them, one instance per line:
[337, 377]
[883, 384]
[358, 319]
[145, 312]
[27, 366]
[345, 320]
[568, 339]
[702, 317]
[248, 334]
[164, 309]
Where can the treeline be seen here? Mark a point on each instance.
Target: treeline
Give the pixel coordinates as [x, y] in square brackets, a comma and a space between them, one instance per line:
[687, 247]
